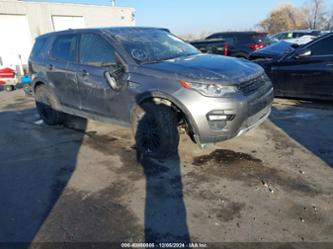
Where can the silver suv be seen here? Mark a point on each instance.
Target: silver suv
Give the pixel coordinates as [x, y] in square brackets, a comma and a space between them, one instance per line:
[151, 80]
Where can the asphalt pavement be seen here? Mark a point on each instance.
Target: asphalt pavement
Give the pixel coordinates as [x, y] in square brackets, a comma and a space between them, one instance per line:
[84, 183]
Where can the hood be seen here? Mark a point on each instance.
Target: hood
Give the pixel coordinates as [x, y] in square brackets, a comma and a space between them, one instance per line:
[275, 51]
[206, 68]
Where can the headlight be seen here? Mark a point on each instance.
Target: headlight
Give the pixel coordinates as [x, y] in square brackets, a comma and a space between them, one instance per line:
[210, 90]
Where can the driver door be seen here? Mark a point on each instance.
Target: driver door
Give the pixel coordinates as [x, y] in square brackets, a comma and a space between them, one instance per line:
[97, 57]
[308, 76]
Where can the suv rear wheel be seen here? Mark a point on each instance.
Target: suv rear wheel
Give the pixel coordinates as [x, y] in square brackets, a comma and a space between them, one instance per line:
[45, 103]
[155, 130]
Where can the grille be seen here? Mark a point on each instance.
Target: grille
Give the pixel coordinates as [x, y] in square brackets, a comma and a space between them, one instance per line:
[253, 85]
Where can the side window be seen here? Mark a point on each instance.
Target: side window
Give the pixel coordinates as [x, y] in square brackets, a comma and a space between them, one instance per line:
[285, 36]
[323, 47]
[278, 36]
[289, 35]
[36, 53]
[229, 39]
[297, 35]
[96, 51]
[246, 39]
[64, 48]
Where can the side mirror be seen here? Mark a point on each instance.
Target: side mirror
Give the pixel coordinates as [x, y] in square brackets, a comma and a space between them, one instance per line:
[303, 54]
[113, 77]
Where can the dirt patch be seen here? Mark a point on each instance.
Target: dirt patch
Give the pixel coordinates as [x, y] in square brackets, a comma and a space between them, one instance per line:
[250, 170]
[229, 211]
[306, 214]
[101, 139]
[224, 157]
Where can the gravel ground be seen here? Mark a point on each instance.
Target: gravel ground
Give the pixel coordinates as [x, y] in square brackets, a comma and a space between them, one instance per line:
[83, 182]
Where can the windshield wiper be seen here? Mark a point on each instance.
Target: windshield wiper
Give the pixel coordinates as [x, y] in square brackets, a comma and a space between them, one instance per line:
[150, 62]
[180, 56]
[168, 58]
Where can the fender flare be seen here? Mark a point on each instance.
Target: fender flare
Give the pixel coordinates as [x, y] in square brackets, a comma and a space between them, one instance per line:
[41, 81]
[165, 96]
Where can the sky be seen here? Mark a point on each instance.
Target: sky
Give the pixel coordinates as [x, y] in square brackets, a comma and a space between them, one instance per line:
[184, 17]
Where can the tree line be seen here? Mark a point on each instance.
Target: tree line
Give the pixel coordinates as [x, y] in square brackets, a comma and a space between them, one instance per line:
[314, 14]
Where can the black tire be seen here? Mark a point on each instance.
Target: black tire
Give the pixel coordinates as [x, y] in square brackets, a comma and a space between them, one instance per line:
[8, 88]
[45, 104]
[155, 130]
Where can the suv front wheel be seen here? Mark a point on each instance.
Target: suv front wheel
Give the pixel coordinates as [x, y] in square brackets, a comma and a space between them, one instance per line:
[45, 104]
[155, 130]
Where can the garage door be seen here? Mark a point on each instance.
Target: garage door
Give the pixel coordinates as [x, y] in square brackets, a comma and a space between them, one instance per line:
[67, 22]
[15, 40]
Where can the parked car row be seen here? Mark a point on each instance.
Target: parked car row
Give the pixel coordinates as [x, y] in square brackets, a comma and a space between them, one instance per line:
[295, 34]
[299, 65]
[300, 71]
[236, 44]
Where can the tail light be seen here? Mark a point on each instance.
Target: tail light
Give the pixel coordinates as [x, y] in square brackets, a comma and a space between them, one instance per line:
[256, 46]
[225, 48]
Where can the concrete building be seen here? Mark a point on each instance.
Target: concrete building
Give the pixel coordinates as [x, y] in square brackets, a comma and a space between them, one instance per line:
[22, 21]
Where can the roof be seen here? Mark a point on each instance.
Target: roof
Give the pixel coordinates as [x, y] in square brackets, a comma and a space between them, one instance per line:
[108, 29]
[240, 33]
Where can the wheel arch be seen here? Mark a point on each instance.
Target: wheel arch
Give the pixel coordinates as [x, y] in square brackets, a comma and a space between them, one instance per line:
[36, 83]
[41, 82]
[167, 99]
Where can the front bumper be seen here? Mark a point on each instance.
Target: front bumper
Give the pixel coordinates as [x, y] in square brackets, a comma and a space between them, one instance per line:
[248, 111]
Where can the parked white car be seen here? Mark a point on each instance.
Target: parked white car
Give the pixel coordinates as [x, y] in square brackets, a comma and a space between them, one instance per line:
[302, 40]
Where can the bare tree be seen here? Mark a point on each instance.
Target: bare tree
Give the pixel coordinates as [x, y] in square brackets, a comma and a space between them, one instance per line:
[330, 20]
[314, 11]
[282, 18]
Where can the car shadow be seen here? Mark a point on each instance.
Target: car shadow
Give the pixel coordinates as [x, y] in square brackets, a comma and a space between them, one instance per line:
[165, 218]
[309, 123]
[36, 162]
[165, 212]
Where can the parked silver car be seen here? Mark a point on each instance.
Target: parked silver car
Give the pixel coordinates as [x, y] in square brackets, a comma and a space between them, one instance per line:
[151, 80]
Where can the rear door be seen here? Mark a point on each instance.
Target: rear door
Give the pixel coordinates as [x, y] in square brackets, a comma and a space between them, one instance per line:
[63, 52]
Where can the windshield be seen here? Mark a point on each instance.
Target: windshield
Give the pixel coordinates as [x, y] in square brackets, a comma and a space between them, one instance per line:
[282, 47]
[152, 45]
[263, 39]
